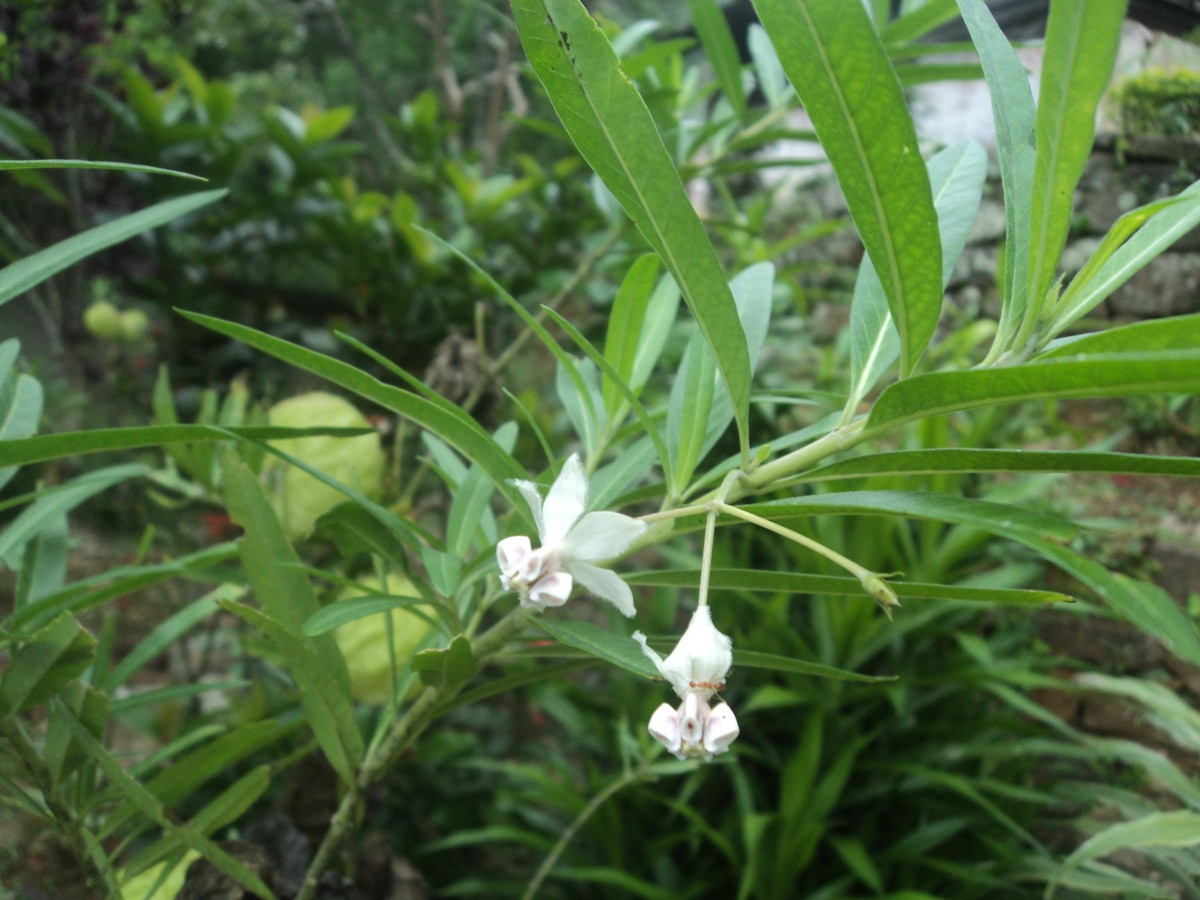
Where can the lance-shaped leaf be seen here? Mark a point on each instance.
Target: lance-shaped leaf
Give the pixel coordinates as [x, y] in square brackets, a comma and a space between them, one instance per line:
[1081, 46]
[1106, 375]
[288, 602]
[1172, 333]
[956, 175]
[32, 270]
[610, 124]
[1016, 129]
[837, 65]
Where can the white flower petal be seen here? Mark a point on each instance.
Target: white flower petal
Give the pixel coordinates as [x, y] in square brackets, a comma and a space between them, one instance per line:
[693, 713]
[553, 590]
[701, 659]
[664, 726]
[533, 497]
[509, 553]
[565, 502]
[721, 729]
[648, 651]
[601, 535]
[604, 584]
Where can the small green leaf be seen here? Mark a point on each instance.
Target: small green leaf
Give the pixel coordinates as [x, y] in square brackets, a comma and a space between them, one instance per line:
[604, 643]
[444, 570]
[626, 322]
[29, 272]
[1177, 828]
[448, 667]
[41, 666]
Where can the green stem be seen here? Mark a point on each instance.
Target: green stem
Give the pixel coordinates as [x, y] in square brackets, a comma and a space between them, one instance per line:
[841, 438]
[96, 870]
[406, 730]
[569, 833]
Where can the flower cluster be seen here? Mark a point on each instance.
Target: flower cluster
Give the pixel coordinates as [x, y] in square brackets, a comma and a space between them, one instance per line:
[572, 540]
[696, 669]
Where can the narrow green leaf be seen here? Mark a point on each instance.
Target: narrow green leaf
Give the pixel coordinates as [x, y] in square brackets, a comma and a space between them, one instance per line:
[689, 408]
[628, 400]
[718, 43]
[840, 70]
[578, 389]
[768, 71]
[1095, 376]
[26, 273]
[149, 806]
[626, 321]
[613, 129]
[997, 518]
[55, 501]
[617, 648]
[1016, 132]
[1177, 828]
[167, 633]
[288, 601]
[933, 462]
[102, 440]
[42, 665]
[916, 23]
[19, 164]
[452, 425]
[1166, 225]
[43, 568]
[96, 589]
[1172, 333]
[1146, 606]
[351, 609]
[91, 706]
[21, 401]
[750, 659]
[803, 583]
[1081, 47]
[956, 176]
[448, 667]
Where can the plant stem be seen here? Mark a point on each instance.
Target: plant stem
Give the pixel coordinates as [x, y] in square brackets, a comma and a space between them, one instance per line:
[96, 870]
[406, 729]
[569, 833]
[841, 438]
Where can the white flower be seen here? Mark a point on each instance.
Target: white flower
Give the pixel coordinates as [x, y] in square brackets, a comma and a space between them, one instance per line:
[696, 669]
[571, 541]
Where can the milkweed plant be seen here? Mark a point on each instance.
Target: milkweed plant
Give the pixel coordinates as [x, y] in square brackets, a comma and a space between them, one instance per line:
[531, 555]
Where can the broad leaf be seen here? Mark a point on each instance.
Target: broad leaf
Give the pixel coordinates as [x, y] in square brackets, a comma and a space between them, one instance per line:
[840, 70]
[610, 124]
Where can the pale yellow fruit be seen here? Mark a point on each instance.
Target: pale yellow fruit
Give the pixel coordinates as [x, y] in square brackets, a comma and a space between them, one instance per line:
[103, 320]
[134, 325]
[363, 642]
[138, 887]
[299, 498]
